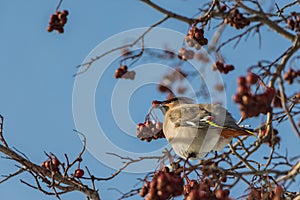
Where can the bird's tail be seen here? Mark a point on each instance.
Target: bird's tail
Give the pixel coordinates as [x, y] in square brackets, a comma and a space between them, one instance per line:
[248, 130]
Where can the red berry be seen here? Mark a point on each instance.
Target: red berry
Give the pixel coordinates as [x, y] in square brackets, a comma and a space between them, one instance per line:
[65, 12]
[158, 125]
[48, 164]
[124, 68]
[143, 191]
[53, 17]
[223, 8]
[243, 90]
[230, 67]
[279, 190]
[49, 28]
[251, 78]
[241, 80]
[220, 194]
[237, 98]
[79, 173]
[55, 161]
[225, 70]
[60, 30]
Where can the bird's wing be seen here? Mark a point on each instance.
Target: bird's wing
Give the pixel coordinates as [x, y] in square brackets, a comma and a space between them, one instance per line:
[204, 116]
[223, 119]
[189, 115]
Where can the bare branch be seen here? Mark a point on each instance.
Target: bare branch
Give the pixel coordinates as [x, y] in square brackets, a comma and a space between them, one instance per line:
[283, 103]
[1, 131]
[12, 175]
[87, 65]
[264, 19]
[169, 13]
[128, 162]
[42, 172]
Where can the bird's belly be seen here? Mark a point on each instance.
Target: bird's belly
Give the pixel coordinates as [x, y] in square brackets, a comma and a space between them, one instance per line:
[187, 140]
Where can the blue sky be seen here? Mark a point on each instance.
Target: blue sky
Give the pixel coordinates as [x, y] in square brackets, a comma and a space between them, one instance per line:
[37, 83]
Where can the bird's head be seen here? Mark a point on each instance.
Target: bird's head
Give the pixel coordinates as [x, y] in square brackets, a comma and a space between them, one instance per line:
[164, 106]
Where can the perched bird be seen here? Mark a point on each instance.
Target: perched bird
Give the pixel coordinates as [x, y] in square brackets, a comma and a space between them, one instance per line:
[193, 129]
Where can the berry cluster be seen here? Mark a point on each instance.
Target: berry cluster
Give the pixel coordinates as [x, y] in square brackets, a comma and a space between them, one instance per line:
[52, 164]
[195, 38]
[290, 75]
[185, 54]
[294, 22]
[58, 21]
[268, 194]
[250, 104]
[163, 185]
[198, 191]
[236, 19]
[122, 72]
[150, 130]
[222, 68]
[79, 173]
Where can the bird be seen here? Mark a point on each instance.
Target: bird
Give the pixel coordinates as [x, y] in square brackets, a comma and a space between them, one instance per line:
[193, 130]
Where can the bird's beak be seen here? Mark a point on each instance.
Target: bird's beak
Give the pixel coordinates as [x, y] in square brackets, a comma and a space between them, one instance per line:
[162, 105]
[163, 109]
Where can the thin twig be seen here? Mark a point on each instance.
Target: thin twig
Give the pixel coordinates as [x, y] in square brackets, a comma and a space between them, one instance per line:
[283, 103]
[12, 175]
[88, 64]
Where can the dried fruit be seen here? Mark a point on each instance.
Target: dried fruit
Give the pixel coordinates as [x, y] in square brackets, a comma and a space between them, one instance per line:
[150, 130]
[236, 19]
[58, 21]
[122, 72]
[163, 185]
[252, 105]
[195, 38]
[222, 68]
[290, 75]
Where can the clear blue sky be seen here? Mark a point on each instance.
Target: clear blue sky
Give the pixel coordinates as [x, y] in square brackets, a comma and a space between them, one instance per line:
[37, 84]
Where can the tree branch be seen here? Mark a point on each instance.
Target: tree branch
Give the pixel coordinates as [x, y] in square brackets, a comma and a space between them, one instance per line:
[264, 19]
[169, 13]
[43, 172]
